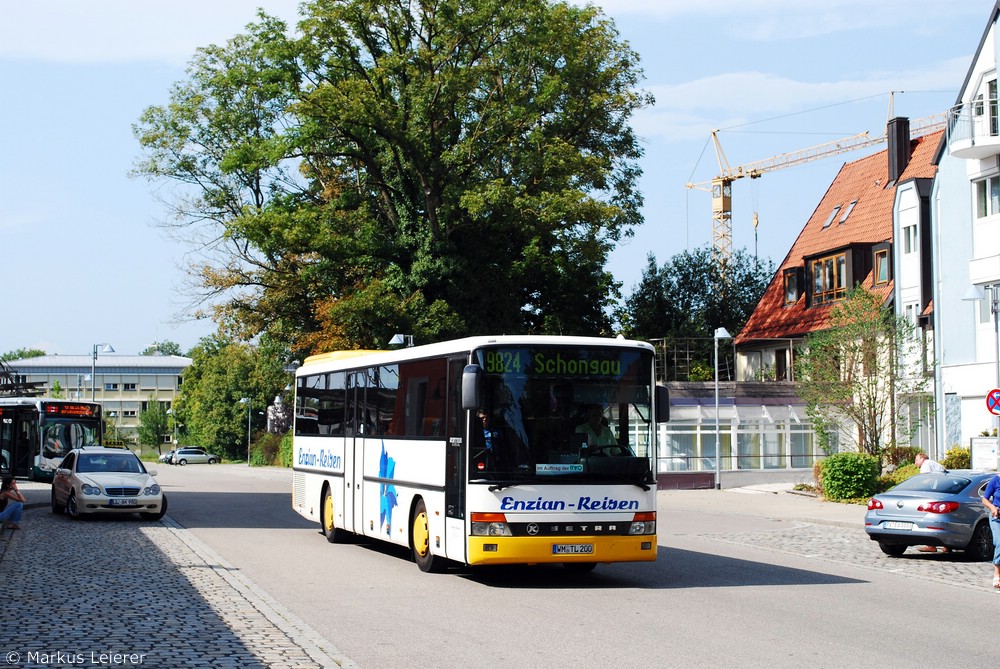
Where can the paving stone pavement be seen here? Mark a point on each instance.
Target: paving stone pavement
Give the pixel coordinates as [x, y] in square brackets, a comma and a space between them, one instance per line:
[78, 592]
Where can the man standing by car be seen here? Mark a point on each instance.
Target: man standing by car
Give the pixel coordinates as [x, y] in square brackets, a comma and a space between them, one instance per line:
[928, 466]
[991, 496]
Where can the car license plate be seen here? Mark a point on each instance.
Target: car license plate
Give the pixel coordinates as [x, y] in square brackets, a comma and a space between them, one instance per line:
[897, 525]
[572, 549]
[125, 501]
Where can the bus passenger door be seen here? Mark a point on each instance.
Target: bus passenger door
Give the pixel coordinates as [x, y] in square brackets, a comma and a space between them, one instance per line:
[455, 469]
[353, 452]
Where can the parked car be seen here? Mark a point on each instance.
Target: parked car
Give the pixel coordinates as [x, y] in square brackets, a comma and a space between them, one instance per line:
[933, 510]
[183, 456]
[167, 457]
[106, 480]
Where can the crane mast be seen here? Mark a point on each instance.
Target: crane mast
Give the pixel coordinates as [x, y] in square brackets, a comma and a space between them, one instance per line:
[721, 187]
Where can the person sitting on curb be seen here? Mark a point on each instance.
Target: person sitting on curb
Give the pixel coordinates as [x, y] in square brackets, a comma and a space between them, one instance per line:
[11, 503]
[928, 466]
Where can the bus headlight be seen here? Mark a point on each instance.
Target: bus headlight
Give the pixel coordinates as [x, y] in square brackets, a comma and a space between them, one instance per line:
[490, 525]
[643, 523]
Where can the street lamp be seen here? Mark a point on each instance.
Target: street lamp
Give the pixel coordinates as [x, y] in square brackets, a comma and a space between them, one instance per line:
[720, 333]
[103, 348]
[975, 294]
[249, 403]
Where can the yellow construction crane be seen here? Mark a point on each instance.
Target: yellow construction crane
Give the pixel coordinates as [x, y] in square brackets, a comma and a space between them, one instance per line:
[721, 187]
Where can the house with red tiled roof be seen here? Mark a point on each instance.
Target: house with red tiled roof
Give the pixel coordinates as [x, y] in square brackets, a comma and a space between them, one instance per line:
[847, 241]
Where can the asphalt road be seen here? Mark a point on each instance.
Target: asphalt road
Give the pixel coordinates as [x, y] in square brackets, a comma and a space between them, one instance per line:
[746, 581]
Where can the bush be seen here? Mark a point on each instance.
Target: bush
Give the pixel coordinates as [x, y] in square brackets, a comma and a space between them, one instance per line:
[957, 457]
[896, 477]
[849, 476]
[285, 451]
[899, 455]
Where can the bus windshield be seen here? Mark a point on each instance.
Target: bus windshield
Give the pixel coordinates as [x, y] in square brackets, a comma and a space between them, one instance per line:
[552, 413]
[63, 433]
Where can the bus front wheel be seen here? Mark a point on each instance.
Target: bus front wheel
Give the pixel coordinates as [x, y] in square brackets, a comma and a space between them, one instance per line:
[420, 536]
[330, 531]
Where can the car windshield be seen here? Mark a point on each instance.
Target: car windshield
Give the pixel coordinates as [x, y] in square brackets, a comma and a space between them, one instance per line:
[95, 462]
[936, 483]
[563, 412]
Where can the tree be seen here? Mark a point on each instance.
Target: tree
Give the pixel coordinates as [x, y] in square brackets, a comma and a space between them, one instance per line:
[221, 373]
[154, 423]
[856, 368]
[22, 354]
[690, 295]
[162, 348]
[437, 168]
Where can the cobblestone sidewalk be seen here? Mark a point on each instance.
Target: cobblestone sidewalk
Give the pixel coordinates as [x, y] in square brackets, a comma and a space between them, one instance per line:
[123, 592]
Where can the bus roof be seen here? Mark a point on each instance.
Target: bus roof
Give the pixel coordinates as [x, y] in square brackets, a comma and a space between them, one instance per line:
[371, 357]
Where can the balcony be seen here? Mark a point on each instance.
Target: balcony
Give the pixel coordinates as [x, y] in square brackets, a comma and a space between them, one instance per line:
[974, 130]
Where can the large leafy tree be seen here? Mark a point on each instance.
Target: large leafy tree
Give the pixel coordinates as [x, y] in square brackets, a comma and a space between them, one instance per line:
[222, 372]
[690, 295]
[854, 372]
[154, 423]
[437, 167]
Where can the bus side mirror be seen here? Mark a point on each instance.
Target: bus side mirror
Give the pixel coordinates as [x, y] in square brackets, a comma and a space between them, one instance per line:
[472, 387]
[662, 403]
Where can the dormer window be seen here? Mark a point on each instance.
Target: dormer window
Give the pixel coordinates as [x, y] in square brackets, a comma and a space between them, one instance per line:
[880, 266]
[829, 278]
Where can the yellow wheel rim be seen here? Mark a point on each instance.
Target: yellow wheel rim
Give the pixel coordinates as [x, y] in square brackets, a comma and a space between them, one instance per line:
[421, 535]
[328, 512]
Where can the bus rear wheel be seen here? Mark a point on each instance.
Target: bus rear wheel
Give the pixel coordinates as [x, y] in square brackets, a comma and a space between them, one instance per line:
[420, 537]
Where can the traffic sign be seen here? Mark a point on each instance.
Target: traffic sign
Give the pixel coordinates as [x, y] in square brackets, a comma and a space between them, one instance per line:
[993, 401]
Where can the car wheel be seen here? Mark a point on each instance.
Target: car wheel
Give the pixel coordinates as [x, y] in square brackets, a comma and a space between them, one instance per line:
[156, 515]
[55, 505]
[183, 462]
[980, 547]
[71, 507]
[420, 537]
[892, 550]
[212, 461]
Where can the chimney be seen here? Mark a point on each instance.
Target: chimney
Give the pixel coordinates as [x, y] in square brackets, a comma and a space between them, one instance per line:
[898, 135]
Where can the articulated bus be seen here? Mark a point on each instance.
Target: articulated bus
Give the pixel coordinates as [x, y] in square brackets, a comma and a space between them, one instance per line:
[486, 450]
[36, 432]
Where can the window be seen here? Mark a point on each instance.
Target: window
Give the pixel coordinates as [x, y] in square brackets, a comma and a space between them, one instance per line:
[991, 88]
[128, 386]
[111, 386]
[909, 239]
[987, 197]
[833, 215]
[881, 267]
[128, 413]
[847, 212]
[829, 278]
[791, 278]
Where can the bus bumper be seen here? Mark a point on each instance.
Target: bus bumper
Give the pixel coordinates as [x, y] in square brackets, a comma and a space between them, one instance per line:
[541, 550]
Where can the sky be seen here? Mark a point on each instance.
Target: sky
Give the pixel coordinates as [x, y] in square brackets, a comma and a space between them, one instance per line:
[83, 260]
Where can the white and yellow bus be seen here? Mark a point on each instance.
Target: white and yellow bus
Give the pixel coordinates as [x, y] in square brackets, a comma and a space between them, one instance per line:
[486, 450]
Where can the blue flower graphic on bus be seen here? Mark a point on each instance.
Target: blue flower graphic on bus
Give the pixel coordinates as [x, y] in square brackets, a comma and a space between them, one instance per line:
[386, 470]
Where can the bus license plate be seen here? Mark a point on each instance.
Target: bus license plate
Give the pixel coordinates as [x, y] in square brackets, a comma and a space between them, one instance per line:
[897, 525]
[126, 501]
[572, 549]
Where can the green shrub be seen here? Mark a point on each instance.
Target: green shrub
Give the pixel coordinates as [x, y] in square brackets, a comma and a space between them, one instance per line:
[896, 477]
[849, 476]
[957, 457]
[899, 455]
[285, 451]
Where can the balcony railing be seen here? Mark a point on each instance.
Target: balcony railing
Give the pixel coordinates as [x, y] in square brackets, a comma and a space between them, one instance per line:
[974, 129]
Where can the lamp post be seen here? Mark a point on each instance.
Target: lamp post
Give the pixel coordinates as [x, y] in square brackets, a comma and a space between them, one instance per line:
[720, 333]
[249, 403]
[103, 348]
[975, 294]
